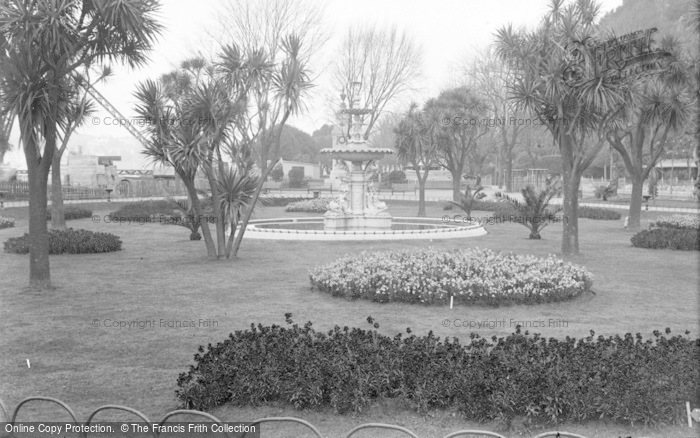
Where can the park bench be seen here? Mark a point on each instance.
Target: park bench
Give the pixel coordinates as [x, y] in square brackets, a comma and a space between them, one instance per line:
[271, 185]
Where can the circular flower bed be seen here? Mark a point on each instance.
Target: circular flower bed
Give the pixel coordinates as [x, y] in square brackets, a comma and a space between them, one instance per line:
[315, 205]
[470, 276]
[69, 241]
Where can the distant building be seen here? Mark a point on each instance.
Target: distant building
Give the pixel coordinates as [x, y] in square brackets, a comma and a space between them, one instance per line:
[678, 168]
[311, 170]
[89, 170]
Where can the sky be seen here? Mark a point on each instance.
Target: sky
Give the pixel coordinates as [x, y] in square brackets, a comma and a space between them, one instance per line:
[448, 31]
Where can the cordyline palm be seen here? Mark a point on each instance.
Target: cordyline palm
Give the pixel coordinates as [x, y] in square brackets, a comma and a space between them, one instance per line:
[181, 146]
[277, 93]
[557, 85]
[533, 211]
[42, 43]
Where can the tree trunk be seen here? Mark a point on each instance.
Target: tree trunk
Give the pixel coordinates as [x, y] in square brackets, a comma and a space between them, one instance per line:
[509, 173]
[204, 221]
[421, 198]
[249, 211]
[58, 214]
[39, 271]
[456, 180]
[571, 182]
[635, 211]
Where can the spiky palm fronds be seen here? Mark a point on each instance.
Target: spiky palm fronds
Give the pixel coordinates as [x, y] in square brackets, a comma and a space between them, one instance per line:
[533, 211]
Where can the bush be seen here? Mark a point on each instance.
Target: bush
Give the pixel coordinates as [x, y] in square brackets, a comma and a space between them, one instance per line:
[143, 211]
[470, 276]
[668, 238]
[270, 201]
[69, 241]
[7, 222]
[598, 213]
[395, 177]
[605, 192]
[296, 178]
[315, 205]
[626, 379]
[72, 212]
[277, 173]
[681, 221]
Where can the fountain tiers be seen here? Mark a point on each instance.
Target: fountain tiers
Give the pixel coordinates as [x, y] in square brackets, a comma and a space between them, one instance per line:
[358, 208]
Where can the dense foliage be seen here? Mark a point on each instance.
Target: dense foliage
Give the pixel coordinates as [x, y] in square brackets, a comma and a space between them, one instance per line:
[605, 192]
[296, 178]
[668, 238]
[626, 379]
[6, 222]
[598, 213]
[69, 241]
[395, 177]
[470, 276]
[72, 212]
[315, 205]
[140, 211]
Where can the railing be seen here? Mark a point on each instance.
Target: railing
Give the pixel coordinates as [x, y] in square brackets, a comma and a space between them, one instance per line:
[5, 416]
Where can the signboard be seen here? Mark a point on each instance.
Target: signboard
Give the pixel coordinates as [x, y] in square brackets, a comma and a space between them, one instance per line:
[629, 56]
[617, 59]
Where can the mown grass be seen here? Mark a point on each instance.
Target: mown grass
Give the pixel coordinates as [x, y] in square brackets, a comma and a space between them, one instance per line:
[162, 275]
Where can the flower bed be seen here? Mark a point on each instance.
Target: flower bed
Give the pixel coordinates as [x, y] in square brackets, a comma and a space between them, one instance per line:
[470, 276]
[683, 221]
[69, 241]
[6, 222]
[625, 379]
[315, 205]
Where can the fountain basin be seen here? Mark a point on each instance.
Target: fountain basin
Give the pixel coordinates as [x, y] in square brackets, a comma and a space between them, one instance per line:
[402, 228]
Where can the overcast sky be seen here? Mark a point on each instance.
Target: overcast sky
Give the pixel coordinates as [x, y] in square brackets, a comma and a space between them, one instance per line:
[447, 30]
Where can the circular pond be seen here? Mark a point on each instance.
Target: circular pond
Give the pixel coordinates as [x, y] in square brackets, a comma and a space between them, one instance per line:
[402, 228]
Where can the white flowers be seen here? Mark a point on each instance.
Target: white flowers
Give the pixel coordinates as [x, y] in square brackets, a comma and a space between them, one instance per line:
[6, 222]
[315, 205]
[471, 275]
[678, 221]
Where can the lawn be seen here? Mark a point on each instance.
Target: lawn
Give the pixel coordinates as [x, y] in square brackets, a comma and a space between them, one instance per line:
[161, 276]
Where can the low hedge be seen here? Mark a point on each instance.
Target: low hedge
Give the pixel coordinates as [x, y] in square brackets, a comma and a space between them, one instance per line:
[598, 213]
[470, 276]
[625, 379]
[143, 210]
[683, 239]
[72, 212]
[7, 222]
[315, 205]
[69, 241]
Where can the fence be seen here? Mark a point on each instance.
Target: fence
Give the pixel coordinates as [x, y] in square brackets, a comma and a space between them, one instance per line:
[17, 191]
[313, 430]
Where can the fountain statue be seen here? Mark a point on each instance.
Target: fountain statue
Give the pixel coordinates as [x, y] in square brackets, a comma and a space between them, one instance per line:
[357, 207]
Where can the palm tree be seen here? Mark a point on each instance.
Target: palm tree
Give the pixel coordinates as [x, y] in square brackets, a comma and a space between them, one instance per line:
[237, 189]
[466, 201]
[558, 85]
[533, 211]
[41, 44]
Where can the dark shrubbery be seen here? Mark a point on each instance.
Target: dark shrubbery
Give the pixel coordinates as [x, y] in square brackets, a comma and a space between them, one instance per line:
[625, 379]
[598, 213]
[395, 177]
[668, 238]
[296, 178]
[7, 222]
[141, 211]
[72, 212]
[69, 241]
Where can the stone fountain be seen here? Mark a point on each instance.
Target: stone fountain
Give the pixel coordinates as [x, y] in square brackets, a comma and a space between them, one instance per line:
[357, 207]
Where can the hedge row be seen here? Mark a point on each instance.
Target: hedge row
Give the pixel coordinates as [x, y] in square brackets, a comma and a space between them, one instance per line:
[69, 241]
[668, 238]
[625, 379]
[72, 212]
[598, 213]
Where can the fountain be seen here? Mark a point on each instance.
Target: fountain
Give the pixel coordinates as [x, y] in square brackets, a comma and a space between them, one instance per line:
[356, 213]
[357, 207]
